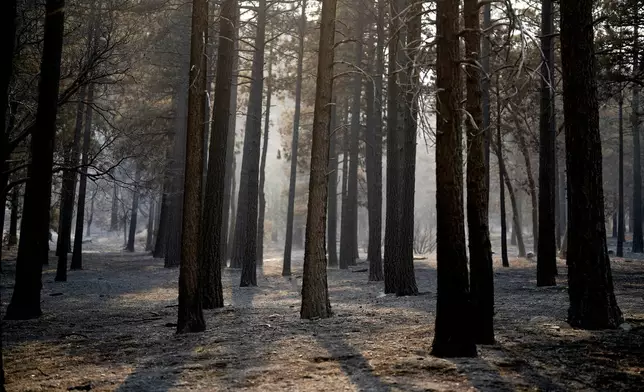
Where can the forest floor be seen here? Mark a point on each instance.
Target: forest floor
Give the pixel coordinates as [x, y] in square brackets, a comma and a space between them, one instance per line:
[111, 327]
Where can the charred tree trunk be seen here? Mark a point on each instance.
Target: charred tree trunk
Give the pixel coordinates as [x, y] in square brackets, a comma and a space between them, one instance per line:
[245, 245]
[638, 237]
[212, 250]
[547, 246]
[77, 255]
[590, 283]
[561, 190]
[481, 271]
[149, 241]
[315, 293]
[262, 166]
[229, 192]
[349, 214]
[8, 34]
[405, 277]
[290, 212]
[88, 230]
[453, 332]
[620, 214]
[68, 191]
[175, 213]
[34, 238]
[393, 207]
[373, 159]
[499, 154]
[523, 146]
[114, 217]
[161, 237]
[345, 179]
[233, 214]
[135, 211]
[190, 315]
[485, 91]
[332, 226]
[516, 214]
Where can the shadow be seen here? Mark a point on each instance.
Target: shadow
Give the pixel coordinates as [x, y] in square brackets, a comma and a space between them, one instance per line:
[354, 365]
[109, 328]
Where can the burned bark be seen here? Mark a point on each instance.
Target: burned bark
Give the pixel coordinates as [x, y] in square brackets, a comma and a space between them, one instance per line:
[245, 244]
[288, 240]
[212, 250]
[190, 315]
[77, 255]
[592, 299]
[34, 238]
[315, 292]
[453, 331]
[481, 271]
[262, 166]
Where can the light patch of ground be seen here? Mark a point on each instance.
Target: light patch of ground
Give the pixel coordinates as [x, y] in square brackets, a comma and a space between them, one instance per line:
[111, 328]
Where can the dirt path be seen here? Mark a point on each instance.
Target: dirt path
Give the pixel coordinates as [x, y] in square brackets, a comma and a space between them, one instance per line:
[111, 328]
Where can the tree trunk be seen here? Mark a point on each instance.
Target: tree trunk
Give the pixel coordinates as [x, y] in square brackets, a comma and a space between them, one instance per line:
[8, 12]
[499, 154]
[212, 250]
[245, 245]
[190, 316]
[149, 241]
[393, 207]
[481, 270]
[288, 240]
[590, 283]
[373, 159]
[453, 331]
[229, 193]
[332, 228]
[405, 277]
[161, 237]
[547, 246]
[124, 225]
[233, 214]
[175, 205]
[114, 217]
[517, 224]
[135, 211]
[315, 293]
[349, 214]
[345, 179]
[638, 237]
[34, 238]
[68, 190]
[564, 246]
[262, 165]
[7, 43]
[516, 214]
[485, 91]
[88, 231]
[77, 255]
[563, 215]
[620, 214]
[614, 224]
[523, 146]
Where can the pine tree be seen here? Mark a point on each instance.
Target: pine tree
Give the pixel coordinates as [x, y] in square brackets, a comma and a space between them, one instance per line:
[481, 271]
[315, 292]
[34, 239]
[190, 315]
[592, 299]
[453, 330]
